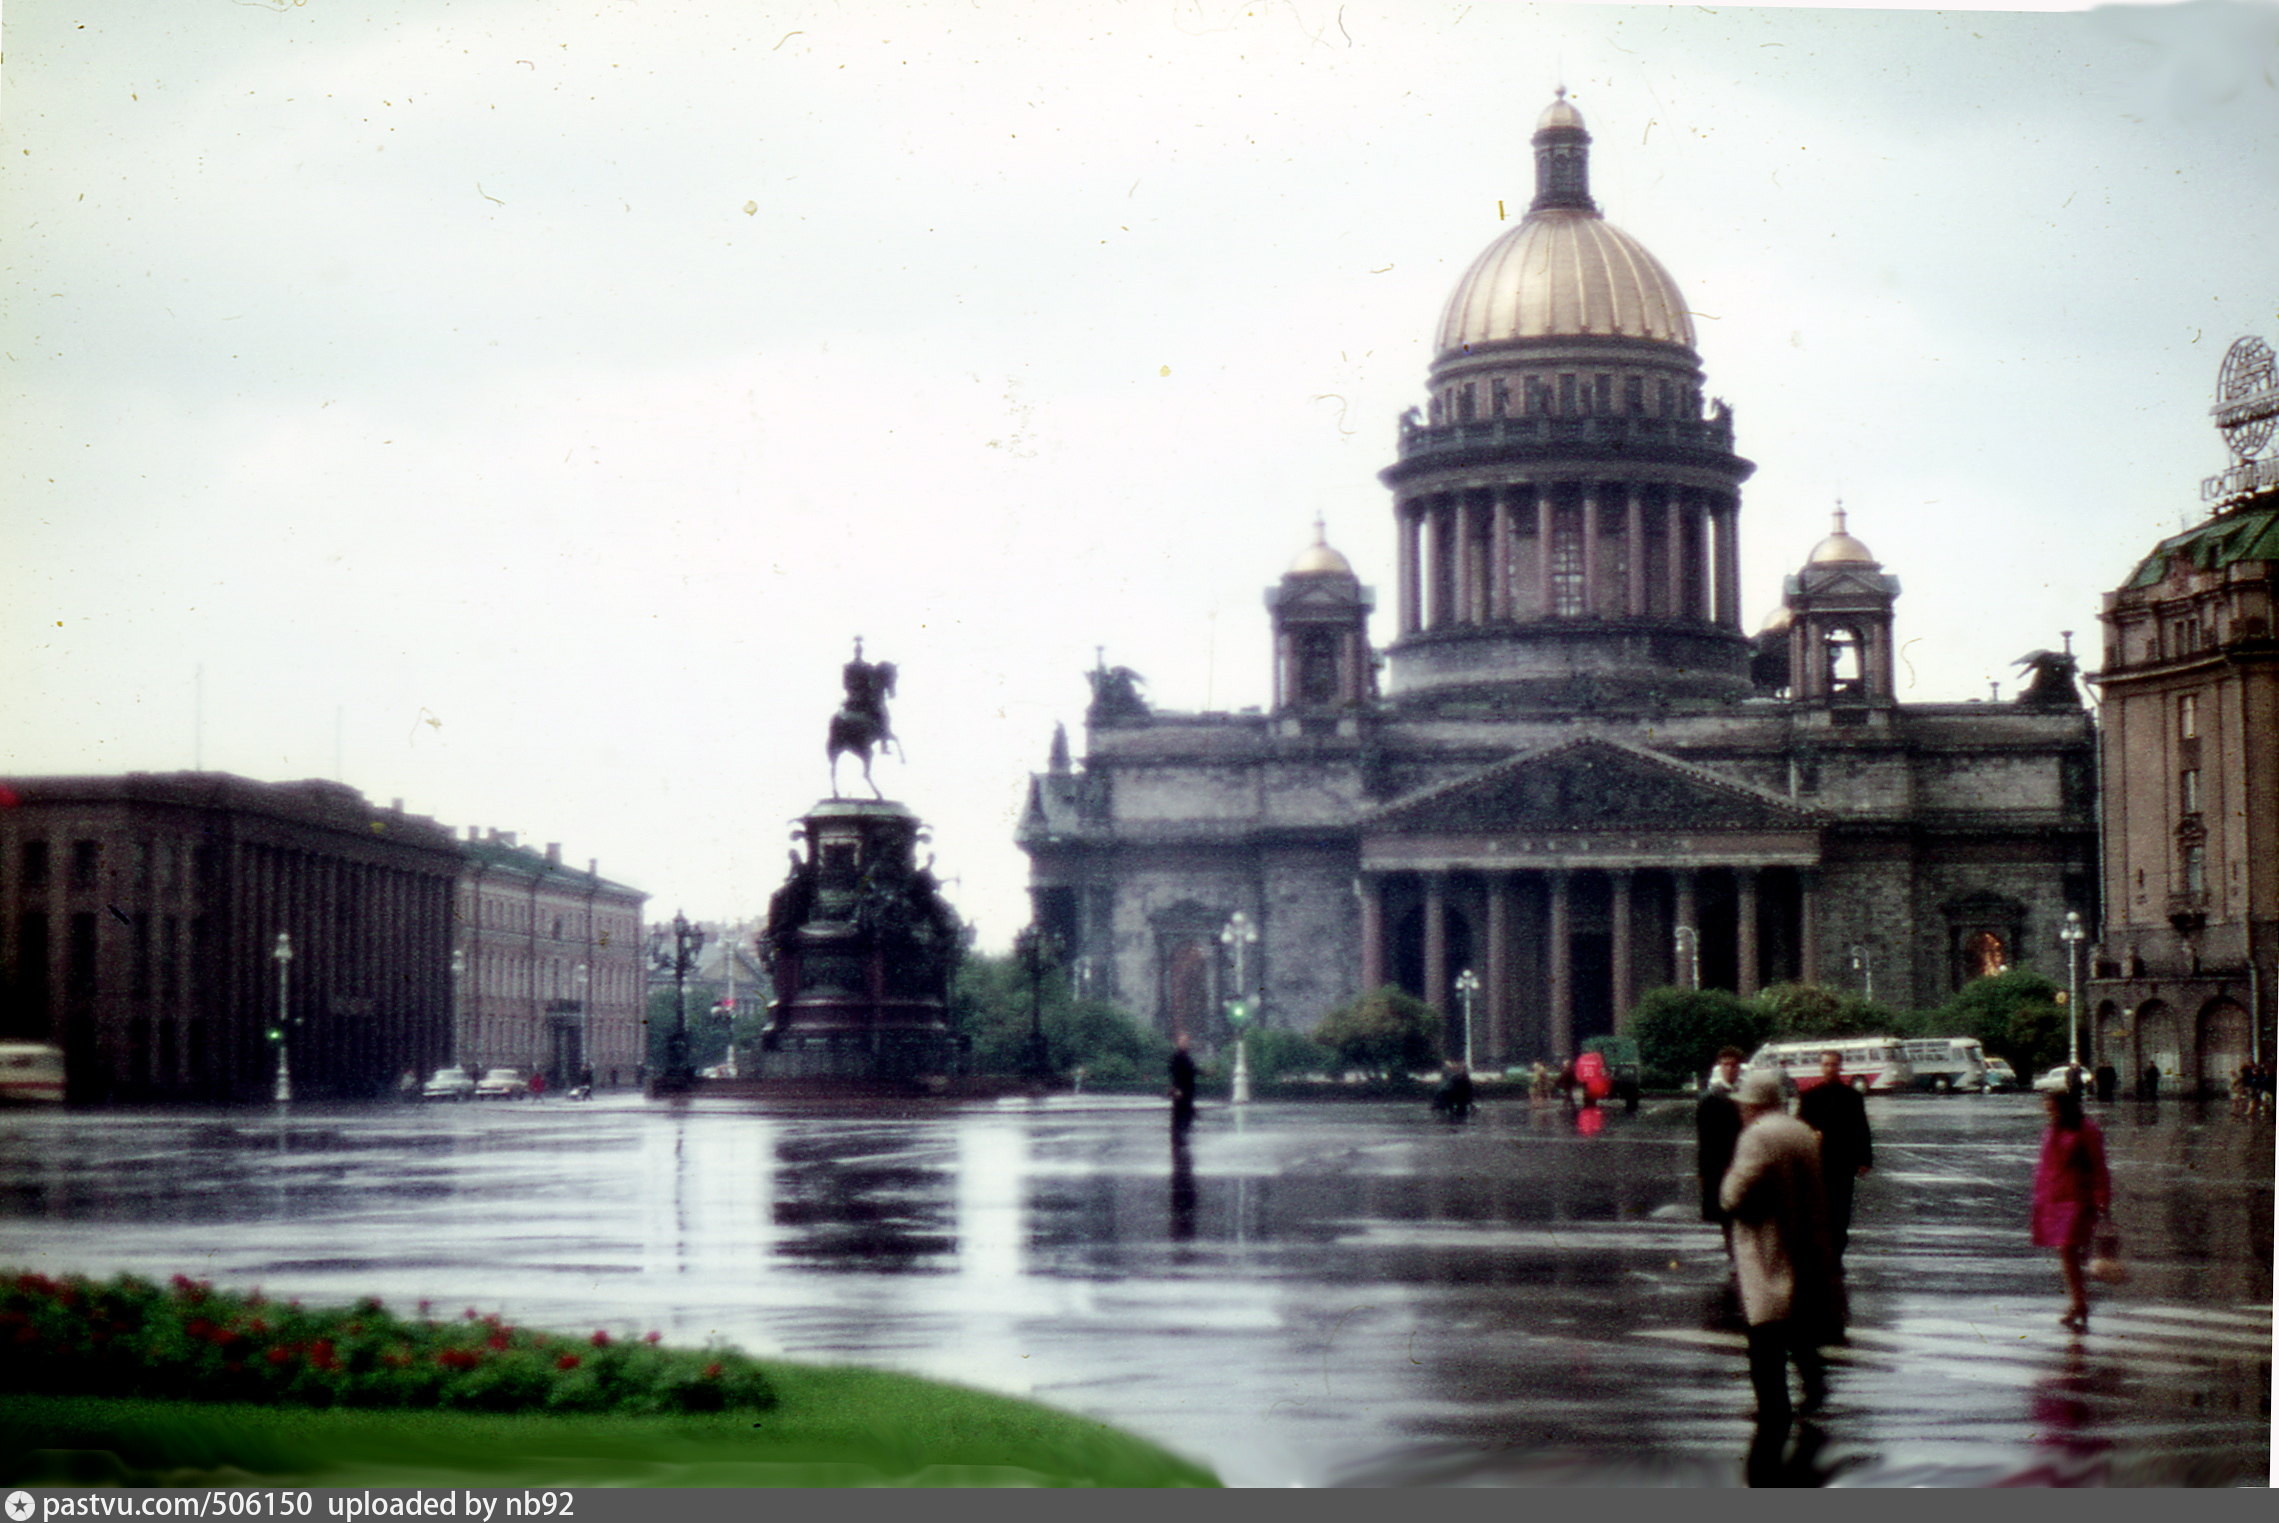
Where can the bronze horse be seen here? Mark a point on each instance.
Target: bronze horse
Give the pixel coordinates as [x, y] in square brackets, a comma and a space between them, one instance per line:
[861, 722]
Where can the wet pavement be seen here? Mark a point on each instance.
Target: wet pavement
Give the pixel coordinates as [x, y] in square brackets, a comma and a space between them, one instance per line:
[1306, 1294]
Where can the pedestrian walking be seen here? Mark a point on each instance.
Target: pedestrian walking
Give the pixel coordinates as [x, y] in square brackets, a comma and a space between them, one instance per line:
[1182, 1085]
[1847, 1151]
[538, 1084]
[1453, 1099]
[2072, 1194]
[2108, 1083]
[1779, 1208]
[2148, 1086]
[1716, 1127]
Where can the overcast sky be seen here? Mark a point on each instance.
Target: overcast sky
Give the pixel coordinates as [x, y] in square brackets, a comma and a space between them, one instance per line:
[518, 408]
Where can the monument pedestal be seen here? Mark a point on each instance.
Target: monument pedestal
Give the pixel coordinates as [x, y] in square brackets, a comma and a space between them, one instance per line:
[862, 947]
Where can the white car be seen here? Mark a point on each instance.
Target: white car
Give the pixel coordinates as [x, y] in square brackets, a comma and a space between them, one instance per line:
[2000, 1075]
[448, 1084]
[502, 1084]
[2055, 1082]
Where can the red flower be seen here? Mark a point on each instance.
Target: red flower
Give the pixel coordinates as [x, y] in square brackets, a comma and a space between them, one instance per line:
[566, 1362]
[600, 1338]
[458, 1359]
[468, 1314]
[320, 1355]
[652, 1336]
[201, 1329]
[279, 1355]
[257, 1327]
[396, 1360]
[712, 1372]
[498, 1341]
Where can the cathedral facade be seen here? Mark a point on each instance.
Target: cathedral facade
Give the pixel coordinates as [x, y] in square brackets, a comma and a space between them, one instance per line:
[1573, 773]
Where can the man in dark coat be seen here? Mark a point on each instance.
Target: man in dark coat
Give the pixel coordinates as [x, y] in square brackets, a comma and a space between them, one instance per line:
[1835, 1110]
[1182, 1085]
[1716, 1127]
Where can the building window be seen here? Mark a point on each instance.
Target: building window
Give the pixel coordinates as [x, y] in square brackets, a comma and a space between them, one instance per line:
[1566, 396]
[35, 864]
[1634, 394]
[1668, 403]
[1985, 954]
[1566, 570]
[1499, 396]
[1465, 406]
[86, 861]
[1842, 652]
[2195, 869]
[2188, 791]
[2188, 717]
[1605, 402]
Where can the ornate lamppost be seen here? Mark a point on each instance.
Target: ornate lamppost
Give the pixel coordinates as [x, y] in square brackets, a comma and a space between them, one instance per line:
[1467, 985]
[1863, 963]
[2072, 934]
[282, 1089]
[1239, 935]
[1687, 946]
[678, 959]
[1038, 951]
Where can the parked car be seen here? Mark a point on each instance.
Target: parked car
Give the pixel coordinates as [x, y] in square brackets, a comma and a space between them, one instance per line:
[2000, 1075]
[502, 1084]
[2055, 1080]
[31, 1072]
[448, 1084]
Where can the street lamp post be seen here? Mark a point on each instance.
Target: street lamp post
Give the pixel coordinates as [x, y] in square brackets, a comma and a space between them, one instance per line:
[2072, 934]
[1863, 963]
[1037, 949]
[282, 1091]
[1467, 985]
[1687, 941]
[679, 960]
[1239, 936]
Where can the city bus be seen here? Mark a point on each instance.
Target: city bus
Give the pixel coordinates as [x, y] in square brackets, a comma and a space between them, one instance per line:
[31, 1073]
[1945, 1064]
[1869, 1062]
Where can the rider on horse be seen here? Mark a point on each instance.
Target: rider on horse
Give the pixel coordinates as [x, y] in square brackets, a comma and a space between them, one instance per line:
[861, 722]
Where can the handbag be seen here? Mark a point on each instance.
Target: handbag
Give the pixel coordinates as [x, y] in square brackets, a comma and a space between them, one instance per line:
[2105, 1264]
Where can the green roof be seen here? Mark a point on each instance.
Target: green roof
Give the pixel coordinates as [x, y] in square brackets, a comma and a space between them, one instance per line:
[2243, 534]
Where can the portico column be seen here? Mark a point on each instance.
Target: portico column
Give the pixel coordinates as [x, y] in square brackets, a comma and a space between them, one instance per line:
[1371, 889]
[1728, 521]
[1499, 968]
[1625, 971]
[1808, 924]
[1406, 541]
[1543, 522]
[1634, 553]
[1689, 919]
[1745, 930]
[1675, 568]
[1590, 548]
[1436, 940]
[1562, 959]
[1499, 556]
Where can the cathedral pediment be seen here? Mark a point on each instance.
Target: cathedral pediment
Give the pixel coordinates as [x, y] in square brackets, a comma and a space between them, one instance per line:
[1591, 785]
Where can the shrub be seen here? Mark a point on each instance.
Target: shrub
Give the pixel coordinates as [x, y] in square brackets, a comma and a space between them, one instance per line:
[1276, 1052]
[2014, 1015]
[1385, 1031]
[190, 1342]
[1799, 1012]
[1679, 1031]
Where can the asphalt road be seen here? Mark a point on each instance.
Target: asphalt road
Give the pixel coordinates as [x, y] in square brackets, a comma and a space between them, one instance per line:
[1312, 1294]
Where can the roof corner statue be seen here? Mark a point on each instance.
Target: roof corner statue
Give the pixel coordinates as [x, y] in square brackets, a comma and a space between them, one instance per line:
[861, 722]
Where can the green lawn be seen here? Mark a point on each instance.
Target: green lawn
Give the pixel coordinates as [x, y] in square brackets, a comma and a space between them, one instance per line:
[832, 1427]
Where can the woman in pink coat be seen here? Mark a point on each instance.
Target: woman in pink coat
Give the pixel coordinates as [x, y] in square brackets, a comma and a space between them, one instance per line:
[2072, 1194]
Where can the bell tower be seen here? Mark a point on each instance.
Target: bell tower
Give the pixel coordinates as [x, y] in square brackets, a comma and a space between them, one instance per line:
[1839, 625]
[1322, 663]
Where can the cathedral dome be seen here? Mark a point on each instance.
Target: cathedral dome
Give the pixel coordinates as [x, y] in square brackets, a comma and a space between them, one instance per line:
[1319, 559]
[1565, 271]
[1839, 548]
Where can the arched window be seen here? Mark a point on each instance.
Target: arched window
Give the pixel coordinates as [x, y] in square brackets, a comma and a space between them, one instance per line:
[1986, 954]
[1846, 666]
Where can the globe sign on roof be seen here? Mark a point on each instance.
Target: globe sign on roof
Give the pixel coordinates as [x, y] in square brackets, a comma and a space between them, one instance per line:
[2246, 412]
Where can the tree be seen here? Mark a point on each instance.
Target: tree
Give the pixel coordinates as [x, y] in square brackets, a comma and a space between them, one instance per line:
[1385, 1031]
[2014, 1015]
[1276, 1052]
[1799, 1012]
[1679, 1031]
[709, 1035]
[989, 1006]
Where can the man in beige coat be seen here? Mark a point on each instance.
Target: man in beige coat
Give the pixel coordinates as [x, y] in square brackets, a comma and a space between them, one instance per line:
[1780, 1247]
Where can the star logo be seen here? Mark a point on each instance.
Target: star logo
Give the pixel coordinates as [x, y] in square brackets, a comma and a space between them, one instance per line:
[19, 1506]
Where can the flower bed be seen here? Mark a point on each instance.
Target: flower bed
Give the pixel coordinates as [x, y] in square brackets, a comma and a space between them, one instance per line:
[187, 1341]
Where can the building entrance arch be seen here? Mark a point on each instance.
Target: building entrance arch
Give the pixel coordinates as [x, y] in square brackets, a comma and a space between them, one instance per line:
[2157, 1043]
[2223, 1045]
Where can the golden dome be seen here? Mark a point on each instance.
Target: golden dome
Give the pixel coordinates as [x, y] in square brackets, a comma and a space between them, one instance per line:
[1564, 272]
[1776, 622]
[1560, 113]
[1318, 559]
[1840, 548]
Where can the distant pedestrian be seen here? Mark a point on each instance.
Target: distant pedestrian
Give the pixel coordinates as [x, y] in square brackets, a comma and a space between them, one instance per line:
[1182, 1085]
[2108, 1083]
[1453, 1099]
[538, 1084]
[2148, 1086]
[1716, 1127]
[2072, 1194]
[1835, 1110]
[1779, 1208]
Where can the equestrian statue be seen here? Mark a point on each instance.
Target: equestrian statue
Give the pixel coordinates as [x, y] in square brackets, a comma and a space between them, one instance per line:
[861, 721]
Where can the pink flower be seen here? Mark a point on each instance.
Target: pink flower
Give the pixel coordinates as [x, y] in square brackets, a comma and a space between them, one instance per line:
[652, 1336]
[566, 1362]
[600, 1338]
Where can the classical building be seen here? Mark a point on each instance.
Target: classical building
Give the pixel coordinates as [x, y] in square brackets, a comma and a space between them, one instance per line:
[1581, 776]
[142, 918]
[550, 962]
[2187, 965]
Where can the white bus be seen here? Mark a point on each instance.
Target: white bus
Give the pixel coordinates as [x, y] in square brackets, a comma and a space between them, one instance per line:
[31, 1072]
[1869, 1062]
[1944, 1063]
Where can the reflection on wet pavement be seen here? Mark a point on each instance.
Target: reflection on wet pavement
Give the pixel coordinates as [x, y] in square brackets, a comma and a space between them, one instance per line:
[1297, 1294]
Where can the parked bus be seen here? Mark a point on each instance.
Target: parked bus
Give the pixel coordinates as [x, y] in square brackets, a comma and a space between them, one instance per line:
[1946, 1063]
[1869, 1062]
[31, 1072]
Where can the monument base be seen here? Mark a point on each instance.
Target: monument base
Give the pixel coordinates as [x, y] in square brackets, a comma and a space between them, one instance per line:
[891, 1057]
